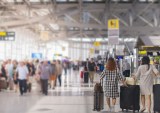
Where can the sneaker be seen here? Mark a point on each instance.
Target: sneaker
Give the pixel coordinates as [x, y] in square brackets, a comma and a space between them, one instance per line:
[113, 108]
[142, 110]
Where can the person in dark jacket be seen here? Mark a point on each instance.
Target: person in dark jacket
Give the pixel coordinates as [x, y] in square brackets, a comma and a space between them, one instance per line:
[92, 69]
[3, 71]
[45, 73]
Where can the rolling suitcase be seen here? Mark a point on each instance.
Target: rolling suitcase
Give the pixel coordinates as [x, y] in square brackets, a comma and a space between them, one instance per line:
[29, 87]
[130, 97]
[156, 96]
[81, 74]
[86, 77]
[98, 97]
[3, 83]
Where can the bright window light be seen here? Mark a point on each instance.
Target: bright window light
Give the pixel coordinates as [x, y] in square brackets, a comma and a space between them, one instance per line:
[55, 26]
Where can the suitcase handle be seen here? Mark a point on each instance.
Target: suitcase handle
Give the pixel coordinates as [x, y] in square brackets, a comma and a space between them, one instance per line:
[101, 82]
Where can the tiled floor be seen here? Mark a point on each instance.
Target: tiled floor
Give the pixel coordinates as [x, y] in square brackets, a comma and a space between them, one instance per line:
[73, 97]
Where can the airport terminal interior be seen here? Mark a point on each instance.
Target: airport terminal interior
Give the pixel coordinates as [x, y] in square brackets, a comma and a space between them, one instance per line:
[53, 54]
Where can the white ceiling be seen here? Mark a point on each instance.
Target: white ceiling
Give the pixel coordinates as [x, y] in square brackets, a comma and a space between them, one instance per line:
[81, 18]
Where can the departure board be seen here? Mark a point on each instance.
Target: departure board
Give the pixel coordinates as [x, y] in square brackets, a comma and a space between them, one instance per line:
[7, 36]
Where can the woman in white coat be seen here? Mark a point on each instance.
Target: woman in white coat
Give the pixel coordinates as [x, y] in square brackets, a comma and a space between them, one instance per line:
[146, 73]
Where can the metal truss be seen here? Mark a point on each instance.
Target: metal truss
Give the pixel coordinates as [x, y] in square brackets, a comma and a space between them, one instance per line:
[136, 18]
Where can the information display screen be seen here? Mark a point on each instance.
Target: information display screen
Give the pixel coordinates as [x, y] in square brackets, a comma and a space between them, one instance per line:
[37, 55]
[7, 36]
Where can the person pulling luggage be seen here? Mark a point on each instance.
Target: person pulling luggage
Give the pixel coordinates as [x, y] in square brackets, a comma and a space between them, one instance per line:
[146, 72]
[112, 76]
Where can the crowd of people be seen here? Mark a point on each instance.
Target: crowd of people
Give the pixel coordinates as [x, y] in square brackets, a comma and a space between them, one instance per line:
[145, 73]
[16, 75]
[20, 74]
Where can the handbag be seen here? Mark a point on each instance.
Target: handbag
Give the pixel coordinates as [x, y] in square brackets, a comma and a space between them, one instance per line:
[130, 81]
[37, 77]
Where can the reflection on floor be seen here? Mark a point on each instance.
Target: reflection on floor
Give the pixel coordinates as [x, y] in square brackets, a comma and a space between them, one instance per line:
[73, 97]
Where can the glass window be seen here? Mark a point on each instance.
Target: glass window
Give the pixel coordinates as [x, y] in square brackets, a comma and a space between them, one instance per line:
[34, 0]
[142, 0]
[88, 0]
[61, 0]
[73, 0]
[10, 0]
[19, 0]
[99, 0]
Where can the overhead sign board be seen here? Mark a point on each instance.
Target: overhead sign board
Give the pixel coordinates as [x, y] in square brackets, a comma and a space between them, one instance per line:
[113, 24]
[113, 31]
[7, 36]
[113, 40]
[57, 54]
[37, 55]
[91, 50]
[97, 44]
[144, 52]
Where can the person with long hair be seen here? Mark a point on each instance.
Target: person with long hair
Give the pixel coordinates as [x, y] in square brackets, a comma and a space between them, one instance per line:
[146, 74]
[112, 76]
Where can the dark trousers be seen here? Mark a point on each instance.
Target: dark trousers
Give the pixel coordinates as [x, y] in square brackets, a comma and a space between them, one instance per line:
[126, 73]
[59, 79]
[65, 71]
[44, 86]
[23, 86]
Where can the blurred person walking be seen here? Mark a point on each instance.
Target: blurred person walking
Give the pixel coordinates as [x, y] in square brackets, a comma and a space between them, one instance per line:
[53, 76]
[45, 73]
[59, 71]
[15, 65]
[23, 74]
[92, 69]
[10, 74]
[126, 68]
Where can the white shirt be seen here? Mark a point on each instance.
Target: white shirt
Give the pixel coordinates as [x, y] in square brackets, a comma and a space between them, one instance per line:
[22, 72]
[9, 68]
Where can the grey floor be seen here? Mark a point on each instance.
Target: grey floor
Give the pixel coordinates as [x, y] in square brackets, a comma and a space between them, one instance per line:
[73, 97]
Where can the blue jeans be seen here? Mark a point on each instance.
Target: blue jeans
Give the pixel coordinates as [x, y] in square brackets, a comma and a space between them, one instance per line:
[23, 86]
[59, 79]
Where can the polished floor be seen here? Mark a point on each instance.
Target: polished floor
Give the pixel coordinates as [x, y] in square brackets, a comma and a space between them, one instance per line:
[73, 97]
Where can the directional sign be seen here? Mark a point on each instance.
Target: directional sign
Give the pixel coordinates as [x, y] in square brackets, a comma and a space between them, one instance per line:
[91, 50]
[113, 24]
[113, 31]
[97, 44]
[7, 36]
[113, 40]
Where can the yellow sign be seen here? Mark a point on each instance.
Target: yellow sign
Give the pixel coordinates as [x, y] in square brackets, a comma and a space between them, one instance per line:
[91, 50]
[97, 44]
[142, 52]
[57, 54]
[113, 24]
[3, 33]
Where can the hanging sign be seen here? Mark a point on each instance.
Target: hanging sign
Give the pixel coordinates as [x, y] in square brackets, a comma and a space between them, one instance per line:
[113, 24]
[113, 31]
[91, 50]
[96, 44]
